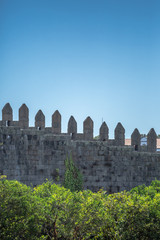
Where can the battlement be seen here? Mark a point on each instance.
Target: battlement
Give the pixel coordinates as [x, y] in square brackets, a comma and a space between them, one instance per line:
[7, 124]
[34, 154]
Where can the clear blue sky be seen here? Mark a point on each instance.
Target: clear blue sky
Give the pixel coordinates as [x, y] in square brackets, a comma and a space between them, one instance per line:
[97, 58]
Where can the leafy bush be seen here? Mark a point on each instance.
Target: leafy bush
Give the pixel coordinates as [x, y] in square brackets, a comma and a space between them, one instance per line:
[21, 214]
[73, 179]
[50, 211]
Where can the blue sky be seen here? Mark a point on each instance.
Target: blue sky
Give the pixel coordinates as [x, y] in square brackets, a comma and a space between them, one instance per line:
[97, 58]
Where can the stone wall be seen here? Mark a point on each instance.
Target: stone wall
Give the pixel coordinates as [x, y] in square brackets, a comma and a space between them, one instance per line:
[32, 156]
[115, 168]
[88, 128]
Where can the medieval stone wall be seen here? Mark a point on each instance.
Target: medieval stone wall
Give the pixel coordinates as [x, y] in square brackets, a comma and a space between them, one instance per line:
[32, 155]
[88, 128]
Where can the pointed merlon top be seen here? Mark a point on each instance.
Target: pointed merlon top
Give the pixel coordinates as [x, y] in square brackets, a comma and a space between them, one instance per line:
[88, 129]
[72, 122]
[136, 132]
[56, 113]
[40, 116]
[152, 133]
[72, 125]
[120, 127]
[7, 108]
[103, 132]
[56, 122]
[88, 120]
[56, 117]
[104, 125]
[23, 111]
[7, 113]
[72, 119]
[24, 107]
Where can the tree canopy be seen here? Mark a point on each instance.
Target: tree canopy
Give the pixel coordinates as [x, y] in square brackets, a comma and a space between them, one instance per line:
[51, 211]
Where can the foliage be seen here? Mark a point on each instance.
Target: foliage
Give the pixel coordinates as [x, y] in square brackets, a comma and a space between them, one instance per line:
[73, 178]
[21, 214]
[50, 211]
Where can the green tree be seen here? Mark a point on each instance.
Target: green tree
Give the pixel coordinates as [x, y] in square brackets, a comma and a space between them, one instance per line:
[53, 212]
[58, 205]
[73, 179]
[21, 213]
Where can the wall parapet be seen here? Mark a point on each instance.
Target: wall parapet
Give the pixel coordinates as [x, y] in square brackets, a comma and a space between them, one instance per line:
[88, 128]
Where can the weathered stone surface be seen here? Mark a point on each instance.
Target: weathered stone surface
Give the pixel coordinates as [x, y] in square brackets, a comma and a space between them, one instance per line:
[23, 116]
[32, 156]
[56, 122]
[103, 132]
[7, 114]
[40, 120]
[88, 129]
[151, 140]
[119, 134]
[72, 127]
[135, 139]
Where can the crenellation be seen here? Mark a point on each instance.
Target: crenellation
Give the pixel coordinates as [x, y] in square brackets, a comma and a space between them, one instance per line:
[7, 115]
[103, 132]
[23, 116]
[119, 135]
[56, 122]
[151, 141]
[40, 120]
[33, 154]
[72, 127]
[87, 134]
[88, 129]
[135, 139]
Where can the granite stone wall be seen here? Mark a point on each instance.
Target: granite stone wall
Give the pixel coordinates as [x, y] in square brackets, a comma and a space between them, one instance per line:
[32, 156]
